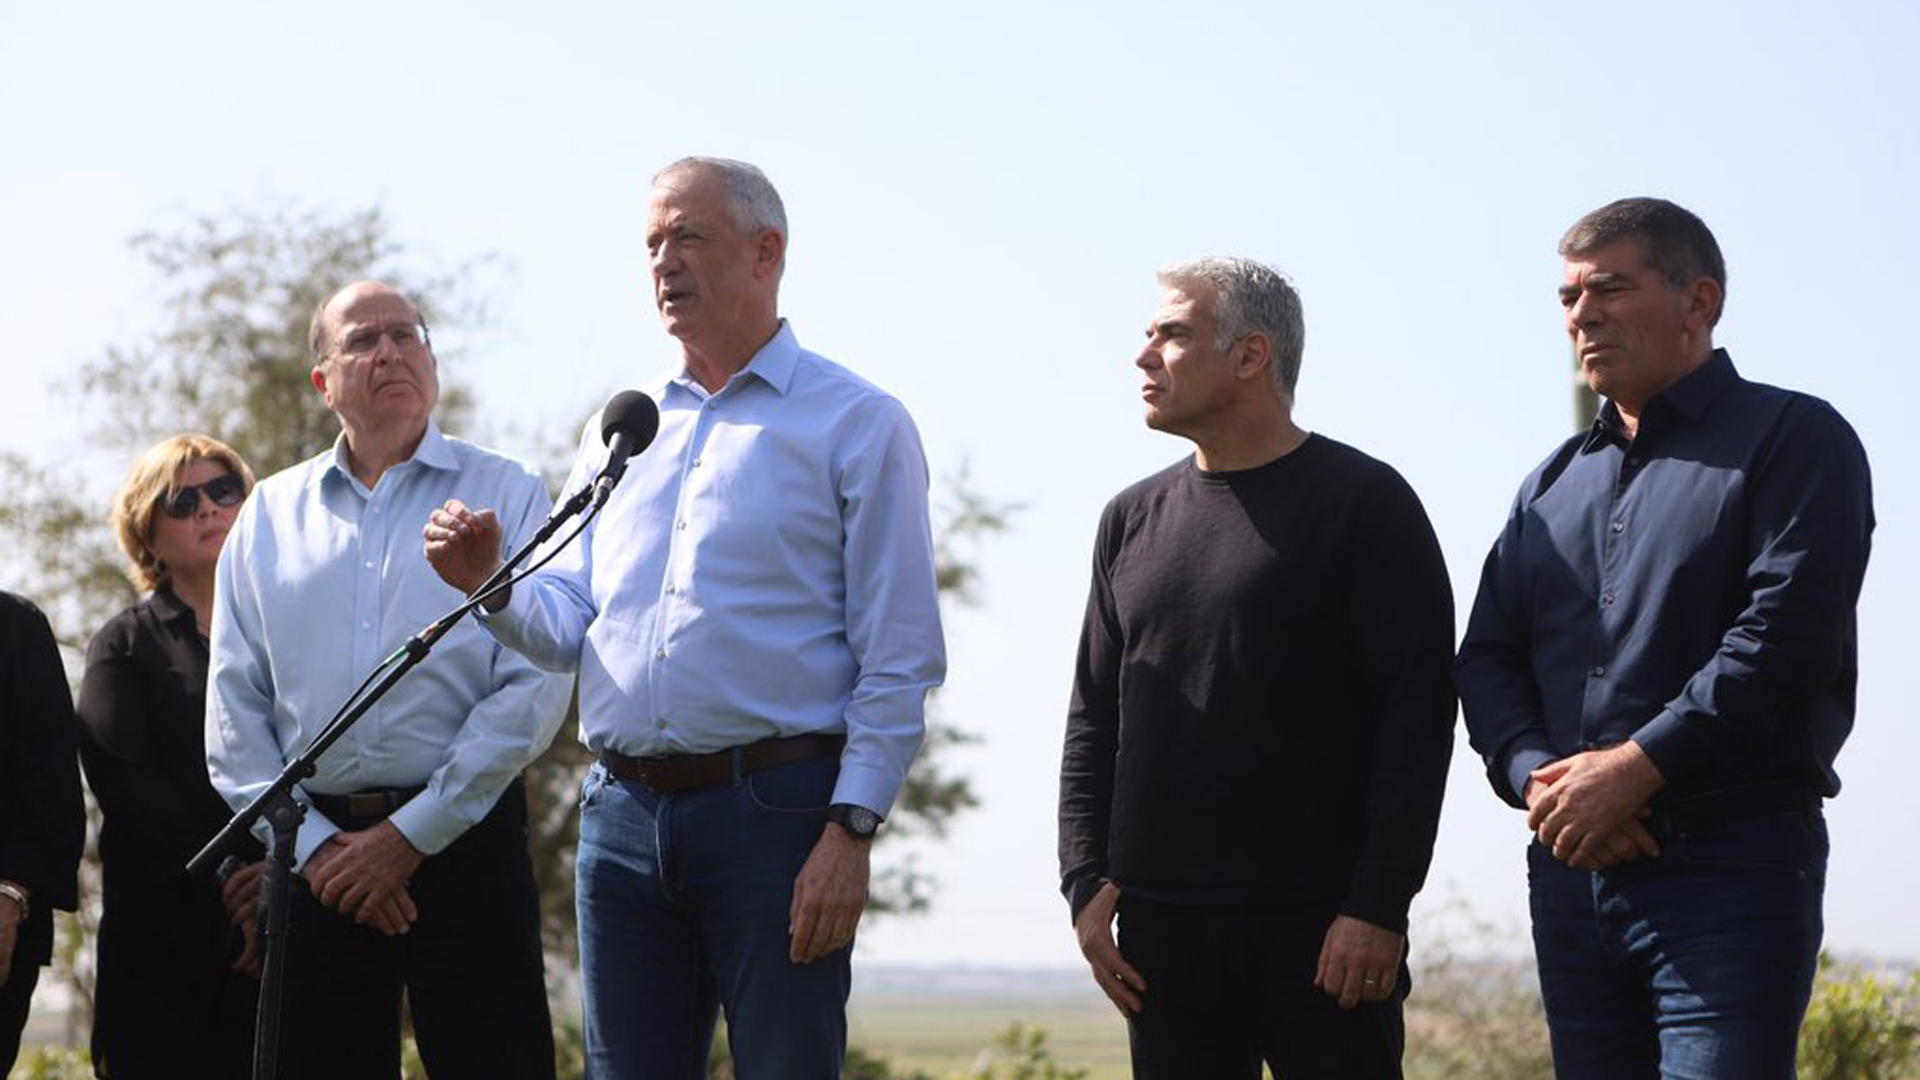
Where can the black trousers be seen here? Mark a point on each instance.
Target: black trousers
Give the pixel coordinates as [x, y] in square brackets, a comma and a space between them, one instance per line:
[165, 993]
[471, 966]
[15, 998]
[1230, 987]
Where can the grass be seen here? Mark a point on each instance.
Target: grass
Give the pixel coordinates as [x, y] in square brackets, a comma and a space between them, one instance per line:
[944, 1028]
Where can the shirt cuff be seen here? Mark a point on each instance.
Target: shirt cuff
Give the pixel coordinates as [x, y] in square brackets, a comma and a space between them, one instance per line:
[508, 618]
[1387, 913]
[1520, 767]
[427, 823]
[863, 785]
[315, 829]
[1675, 748]
[1080, 891]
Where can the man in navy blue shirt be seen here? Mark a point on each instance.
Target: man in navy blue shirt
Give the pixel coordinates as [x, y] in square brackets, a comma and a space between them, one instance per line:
[1660, 669]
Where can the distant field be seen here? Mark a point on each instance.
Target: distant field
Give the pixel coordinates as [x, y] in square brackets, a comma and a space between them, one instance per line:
[943, 1025]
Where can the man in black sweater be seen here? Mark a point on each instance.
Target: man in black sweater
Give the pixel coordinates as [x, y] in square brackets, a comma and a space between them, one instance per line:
[1262, 715]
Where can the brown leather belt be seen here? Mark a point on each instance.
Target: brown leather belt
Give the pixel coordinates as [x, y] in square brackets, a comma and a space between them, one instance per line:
[362, 808]
[685, 772]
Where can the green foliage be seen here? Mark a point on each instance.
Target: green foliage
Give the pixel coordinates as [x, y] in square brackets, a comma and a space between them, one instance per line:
[52, 1063]
[1860, 1026]
[1020, 1053]
[861, 1065]
[58, 540]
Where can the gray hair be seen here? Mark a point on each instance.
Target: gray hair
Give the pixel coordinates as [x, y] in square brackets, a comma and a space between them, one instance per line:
[1249, 298]
[752, 201]
[1678, 244]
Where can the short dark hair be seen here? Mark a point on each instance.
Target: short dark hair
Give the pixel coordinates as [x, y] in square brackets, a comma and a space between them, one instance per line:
[1678, 244]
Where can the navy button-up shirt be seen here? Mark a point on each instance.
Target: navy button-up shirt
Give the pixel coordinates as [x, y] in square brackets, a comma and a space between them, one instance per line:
[1691, 589]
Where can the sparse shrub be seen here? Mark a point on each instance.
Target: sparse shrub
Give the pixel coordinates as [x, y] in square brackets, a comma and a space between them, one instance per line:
[1475, 1011]
[1020, 1053]
[1860, 1026]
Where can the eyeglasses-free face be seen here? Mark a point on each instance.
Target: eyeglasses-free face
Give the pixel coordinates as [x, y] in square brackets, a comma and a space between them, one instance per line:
[224, 490]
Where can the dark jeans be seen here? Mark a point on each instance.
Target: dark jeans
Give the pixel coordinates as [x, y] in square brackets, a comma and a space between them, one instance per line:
[1230, 987]
[1695, 964]
[471, 966]
[683, 904]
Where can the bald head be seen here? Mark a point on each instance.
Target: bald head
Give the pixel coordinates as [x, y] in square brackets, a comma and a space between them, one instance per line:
[321, 331]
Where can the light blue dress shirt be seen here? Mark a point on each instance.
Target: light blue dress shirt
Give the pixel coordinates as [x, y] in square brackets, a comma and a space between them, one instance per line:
[764, 569]
[320, 580]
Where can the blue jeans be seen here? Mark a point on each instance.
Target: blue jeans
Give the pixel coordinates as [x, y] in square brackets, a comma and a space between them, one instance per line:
[683, 910]
[1694, 964]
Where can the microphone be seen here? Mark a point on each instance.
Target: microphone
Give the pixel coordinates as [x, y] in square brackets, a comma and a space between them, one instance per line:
[627, 425]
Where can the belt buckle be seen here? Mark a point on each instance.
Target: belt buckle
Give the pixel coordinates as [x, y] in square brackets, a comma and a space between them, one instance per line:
[644, 771]
[369, 803]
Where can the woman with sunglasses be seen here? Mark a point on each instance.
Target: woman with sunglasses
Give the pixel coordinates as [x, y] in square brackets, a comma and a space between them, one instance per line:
[174, 985]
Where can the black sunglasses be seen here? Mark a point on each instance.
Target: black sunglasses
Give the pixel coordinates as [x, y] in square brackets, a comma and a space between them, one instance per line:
[225, 490]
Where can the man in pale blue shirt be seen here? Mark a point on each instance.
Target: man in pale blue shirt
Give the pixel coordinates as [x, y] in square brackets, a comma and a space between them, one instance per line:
[755, 622]
[412, 858]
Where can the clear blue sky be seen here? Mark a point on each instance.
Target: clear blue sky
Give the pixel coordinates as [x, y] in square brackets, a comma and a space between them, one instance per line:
[979, 195]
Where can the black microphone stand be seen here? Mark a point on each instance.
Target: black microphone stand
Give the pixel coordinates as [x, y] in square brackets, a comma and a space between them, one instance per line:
[284, 813]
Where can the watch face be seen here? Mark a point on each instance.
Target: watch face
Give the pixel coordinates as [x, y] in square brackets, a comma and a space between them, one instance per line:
[858, 820]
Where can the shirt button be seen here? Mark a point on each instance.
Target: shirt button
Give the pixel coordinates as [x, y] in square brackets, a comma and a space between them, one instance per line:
[659, 654]
[671, 590]
[1606, 598]
[369, 566]
[1598, 671]
[661, 723]
[1619, 525]
[366, 626]
[680, 525]
[696, 463]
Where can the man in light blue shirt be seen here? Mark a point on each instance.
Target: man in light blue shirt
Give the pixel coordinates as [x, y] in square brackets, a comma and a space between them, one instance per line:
[412, 858]
[755, 622]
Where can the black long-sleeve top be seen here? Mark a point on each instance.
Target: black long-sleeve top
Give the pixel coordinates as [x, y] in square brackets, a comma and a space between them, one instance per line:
[42, 821]
[1691, 589]
[142, 713]
[1262, 711]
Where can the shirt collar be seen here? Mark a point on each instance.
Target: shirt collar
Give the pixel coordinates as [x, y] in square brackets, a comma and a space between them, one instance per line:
[168, 605]
[434, 452]
[1689, 399]
[1693, 395]
[774, 364]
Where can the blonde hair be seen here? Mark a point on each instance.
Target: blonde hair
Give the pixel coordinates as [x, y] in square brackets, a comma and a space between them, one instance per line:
[150, 483]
